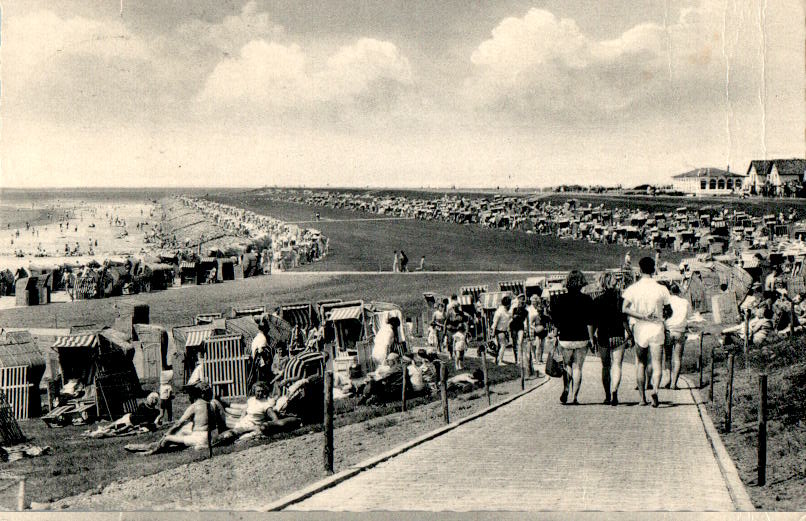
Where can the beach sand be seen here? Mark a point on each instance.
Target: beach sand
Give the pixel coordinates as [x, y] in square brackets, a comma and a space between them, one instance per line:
[89, 222]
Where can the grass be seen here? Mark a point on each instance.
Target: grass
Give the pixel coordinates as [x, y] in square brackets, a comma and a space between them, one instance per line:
[369, 245]
[80, 464]
[786, 425]
[178, 307]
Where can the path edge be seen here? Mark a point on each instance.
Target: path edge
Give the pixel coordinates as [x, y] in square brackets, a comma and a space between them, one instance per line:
[331, 481]
[730, 474]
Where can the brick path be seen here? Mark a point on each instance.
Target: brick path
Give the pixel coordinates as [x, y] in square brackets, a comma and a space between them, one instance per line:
[535, 454]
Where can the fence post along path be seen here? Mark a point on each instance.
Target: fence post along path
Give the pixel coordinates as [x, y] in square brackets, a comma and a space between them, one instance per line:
[328, 422]
[443, 391]
[729, 392]
[762, 430]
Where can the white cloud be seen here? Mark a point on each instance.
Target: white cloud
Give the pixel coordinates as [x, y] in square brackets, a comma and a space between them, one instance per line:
[539, 64]
[269, 75]
[32, 43]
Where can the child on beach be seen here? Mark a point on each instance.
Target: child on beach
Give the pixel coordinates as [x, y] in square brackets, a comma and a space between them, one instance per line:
[166, 396]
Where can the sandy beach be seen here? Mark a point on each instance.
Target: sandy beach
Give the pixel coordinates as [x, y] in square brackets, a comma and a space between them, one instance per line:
[88, 229]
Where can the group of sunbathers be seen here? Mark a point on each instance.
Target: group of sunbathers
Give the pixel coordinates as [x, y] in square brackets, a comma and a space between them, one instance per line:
[204, 422]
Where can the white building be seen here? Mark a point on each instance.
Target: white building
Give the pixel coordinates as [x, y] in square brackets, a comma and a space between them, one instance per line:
[708, 181]
[773, 175]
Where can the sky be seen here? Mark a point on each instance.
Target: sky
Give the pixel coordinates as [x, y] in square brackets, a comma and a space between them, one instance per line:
[407, 93]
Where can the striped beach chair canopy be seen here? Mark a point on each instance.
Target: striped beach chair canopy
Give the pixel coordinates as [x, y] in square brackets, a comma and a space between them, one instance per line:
[514, 286]
[207, 318]
[303, 365]
[492, 300]
[472, 290]
[253, 311]
[346, 313]
[298, 314]
[196, 338]
[187, 265]
[466, 300]
[76, 341]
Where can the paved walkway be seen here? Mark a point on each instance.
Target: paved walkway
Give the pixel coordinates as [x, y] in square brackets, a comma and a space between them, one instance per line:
[535, 454]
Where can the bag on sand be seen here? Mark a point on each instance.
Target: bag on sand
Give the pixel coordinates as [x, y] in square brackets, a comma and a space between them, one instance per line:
[554, 367]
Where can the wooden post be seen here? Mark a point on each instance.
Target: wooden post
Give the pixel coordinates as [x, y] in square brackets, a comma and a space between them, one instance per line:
[762, 430]
[729, 409]
[484, 370]
[746, 335]
[328, 427]
[521, 357]
[792, 318]
[209, 438]
[443, 391]
[702, 334]
[21, 496]
[711, 377]
[403, 389]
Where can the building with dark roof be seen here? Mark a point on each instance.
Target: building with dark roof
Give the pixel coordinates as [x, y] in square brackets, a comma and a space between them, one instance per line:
[709, 181]
[772, 176]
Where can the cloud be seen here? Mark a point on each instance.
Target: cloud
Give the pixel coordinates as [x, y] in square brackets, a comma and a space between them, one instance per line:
[539, 65]
[266, 76]
[95, 70]
[35, 41]
[229, 35]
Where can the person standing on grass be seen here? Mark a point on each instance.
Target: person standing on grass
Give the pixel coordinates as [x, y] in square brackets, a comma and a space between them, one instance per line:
[676, 326]
[438, 323]
[454, 322]
[500, 327]
[404, 262]
[573, 316]
[646, 303]
[517, 327]
[610, 332]
[396, 263]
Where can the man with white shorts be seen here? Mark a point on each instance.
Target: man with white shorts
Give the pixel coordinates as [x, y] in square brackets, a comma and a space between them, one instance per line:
[645, 302]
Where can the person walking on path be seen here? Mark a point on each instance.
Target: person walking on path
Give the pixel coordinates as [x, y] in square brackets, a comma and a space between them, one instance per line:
[500, 327]
[610, 329]
[404, 262]
[517, 327]
[536, 333]
[573, 318]
[396, 263]
[646, 302]
[539, 322]
[676, 326]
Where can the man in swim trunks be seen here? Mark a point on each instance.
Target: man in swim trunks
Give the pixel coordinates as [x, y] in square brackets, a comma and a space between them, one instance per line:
[645, 303]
